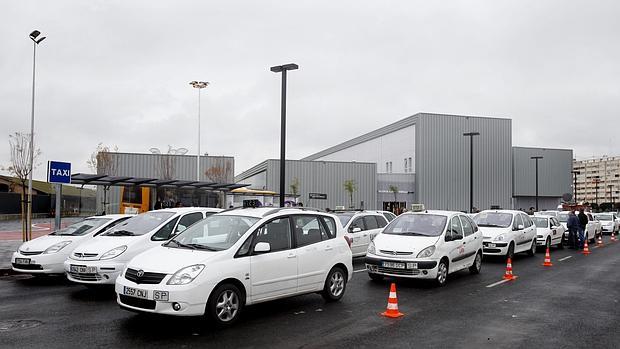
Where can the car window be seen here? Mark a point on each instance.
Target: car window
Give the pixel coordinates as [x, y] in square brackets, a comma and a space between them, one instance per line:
[468, 229]
[527, 220]
[381, 221]
[330, 227]
[164, 232]
[455, 226]
[417, 224]
[307, 230]
[112, 225]
[517, 222]
[472, 222]
[357, 223]
[188, 220]
[493, 219]
[389, 216]
[277, 233]
[371, 222]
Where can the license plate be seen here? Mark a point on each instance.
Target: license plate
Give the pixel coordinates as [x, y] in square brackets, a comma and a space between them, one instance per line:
[160, 296]
[136, 292]
[491, 245]
[394, 265]
[22, 260]
[412, 265]
[82, 269]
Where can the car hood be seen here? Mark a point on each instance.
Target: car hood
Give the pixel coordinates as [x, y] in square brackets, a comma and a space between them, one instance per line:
[42, 243]
[103, 244]
[491, 232]
[169, 260]
[403, 243]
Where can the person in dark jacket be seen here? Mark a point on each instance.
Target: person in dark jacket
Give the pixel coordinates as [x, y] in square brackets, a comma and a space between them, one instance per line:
[572, 224]
[583, 221]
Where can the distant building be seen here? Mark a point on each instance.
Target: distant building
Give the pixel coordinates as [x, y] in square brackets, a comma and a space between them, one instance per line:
[598, 180]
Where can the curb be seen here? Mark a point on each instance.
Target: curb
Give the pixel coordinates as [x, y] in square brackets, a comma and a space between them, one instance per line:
[7, 272]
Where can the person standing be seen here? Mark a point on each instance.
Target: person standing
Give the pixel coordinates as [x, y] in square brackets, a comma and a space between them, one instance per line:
[572, 224]
[583, 222]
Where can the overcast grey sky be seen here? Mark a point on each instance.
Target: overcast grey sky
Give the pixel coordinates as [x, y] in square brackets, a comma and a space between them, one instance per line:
[117, 72]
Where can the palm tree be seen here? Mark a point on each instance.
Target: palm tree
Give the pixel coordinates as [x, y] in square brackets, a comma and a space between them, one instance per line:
[295, 187]
[350, 187]
[394, 190]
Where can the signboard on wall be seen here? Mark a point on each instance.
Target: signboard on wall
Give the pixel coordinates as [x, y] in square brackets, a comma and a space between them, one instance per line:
[319, 196]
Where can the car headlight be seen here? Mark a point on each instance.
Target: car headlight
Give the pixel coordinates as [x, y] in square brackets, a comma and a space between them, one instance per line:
[186, 275]
[427, 252]
[371, 248]
[500, 237]
[115, 252]
[57, 247]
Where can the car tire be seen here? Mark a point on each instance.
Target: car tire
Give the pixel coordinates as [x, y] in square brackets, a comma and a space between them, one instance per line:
[225, 305]
[532, 251]
[335, 285]
[442, 273]
[375, 277]
[561, 244]
[477, 266]
[511, 251]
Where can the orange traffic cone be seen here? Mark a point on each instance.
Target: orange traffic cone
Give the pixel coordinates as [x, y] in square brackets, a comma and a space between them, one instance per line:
[547, 262]
[392, 306]
[586, 250]
[613, 237]
[599, 242]
[508, 275]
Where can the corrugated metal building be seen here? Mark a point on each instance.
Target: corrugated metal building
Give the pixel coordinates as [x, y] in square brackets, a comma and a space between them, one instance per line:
[554, 177]
[164, 166]
[432, 151]
[318, 177]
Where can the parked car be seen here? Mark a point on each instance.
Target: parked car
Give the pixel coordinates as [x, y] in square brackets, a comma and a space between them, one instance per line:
[46, 254]
[361, 227]
[592, 227]
[426, 245]
[236, 258]
[389, 216]
[608, 221]
[507, 232]
[549, 231]
[552, 213]
[103, 258]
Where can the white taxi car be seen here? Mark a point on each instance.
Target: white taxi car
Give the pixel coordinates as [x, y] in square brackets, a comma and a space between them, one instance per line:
[361, 227]
[427, 245]
[549, 231]
[608, 221]
[101, 260]
[46, 254]
[507, 232]
[236, 258]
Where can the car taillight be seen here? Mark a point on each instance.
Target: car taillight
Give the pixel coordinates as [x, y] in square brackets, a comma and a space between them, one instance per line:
[348, 240]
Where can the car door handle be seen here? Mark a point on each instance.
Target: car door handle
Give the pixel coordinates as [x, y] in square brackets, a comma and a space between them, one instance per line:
[365, 235]
[464, 242]
[328, 248]
[291, 255]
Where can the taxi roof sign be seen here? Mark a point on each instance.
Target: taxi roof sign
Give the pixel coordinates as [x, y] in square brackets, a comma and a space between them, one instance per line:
[417, 207]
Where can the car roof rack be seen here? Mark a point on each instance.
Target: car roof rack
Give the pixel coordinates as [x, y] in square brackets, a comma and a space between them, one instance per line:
[301, 208]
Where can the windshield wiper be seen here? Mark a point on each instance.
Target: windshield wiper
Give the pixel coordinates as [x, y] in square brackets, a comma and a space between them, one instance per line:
[204, 247]
[179, 244]
[409, 233]
[121, 233]
[491, 225]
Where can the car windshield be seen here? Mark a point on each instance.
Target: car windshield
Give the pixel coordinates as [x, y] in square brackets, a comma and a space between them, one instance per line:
[140, 224]
[493, 219]
[563, 217]
[417, 224]
[344, 217]
[540, 222]
[83, 227]
[605, 217]
[215, 233]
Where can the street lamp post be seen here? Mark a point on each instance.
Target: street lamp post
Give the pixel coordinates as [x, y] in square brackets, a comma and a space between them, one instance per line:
[471, 168]
[575, 173]
[34, 36]
[199, 85]
[536, 158]
[283, 69]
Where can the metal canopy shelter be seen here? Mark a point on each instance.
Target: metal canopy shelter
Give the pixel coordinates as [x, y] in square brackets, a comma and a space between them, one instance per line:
[123, 181]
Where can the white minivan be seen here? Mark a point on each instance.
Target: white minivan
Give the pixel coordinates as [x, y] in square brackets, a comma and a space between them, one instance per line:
[236, 258]
[507, 232]
[427, 245]
[101, 259]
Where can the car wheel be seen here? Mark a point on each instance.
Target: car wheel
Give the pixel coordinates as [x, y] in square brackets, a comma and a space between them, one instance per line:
[532, 250]
[225, 305]
[375, 277]
[442, 273]
[511, 251]
[561, 244]
[477, 266]
[335, 285]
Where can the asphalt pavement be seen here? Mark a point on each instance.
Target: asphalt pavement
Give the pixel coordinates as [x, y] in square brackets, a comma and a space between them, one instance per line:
[573, 304]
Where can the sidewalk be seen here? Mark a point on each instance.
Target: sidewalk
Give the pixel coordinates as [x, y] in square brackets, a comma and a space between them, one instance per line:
[6, 252]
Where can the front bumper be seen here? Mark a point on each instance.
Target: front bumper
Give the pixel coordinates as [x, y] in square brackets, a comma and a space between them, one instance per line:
[38, 264]
[493, 248]
[424, 268]
[94, 272]
[191, 298]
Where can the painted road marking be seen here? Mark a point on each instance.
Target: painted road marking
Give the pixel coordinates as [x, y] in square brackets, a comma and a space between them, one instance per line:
[565, 258]
[500, 282]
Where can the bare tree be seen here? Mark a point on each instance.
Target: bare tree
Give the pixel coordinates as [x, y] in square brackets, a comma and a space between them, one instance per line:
[19, 144]
[165, 164]
[295, 187]
[220, 172]
[102, 161]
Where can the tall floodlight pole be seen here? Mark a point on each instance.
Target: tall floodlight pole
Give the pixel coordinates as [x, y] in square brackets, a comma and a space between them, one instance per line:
[199, 85]
[471, 168]
[34, 36]
[283, 69]
[536, 158]
[575, 173]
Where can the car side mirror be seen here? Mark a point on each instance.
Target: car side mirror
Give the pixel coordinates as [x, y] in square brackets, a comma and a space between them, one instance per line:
[457, 237]
[355, 230]
[520, 227]
[180, 228]
[262, 247]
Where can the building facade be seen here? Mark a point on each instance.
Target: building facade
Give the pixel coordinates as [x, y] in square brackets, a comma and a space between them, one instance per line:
[598, 180]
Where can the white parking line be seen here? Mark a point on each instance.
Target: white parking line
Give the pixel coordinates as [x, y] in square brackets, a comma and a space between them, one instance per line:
[359, 271]
[497, 283]
[565, 258]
